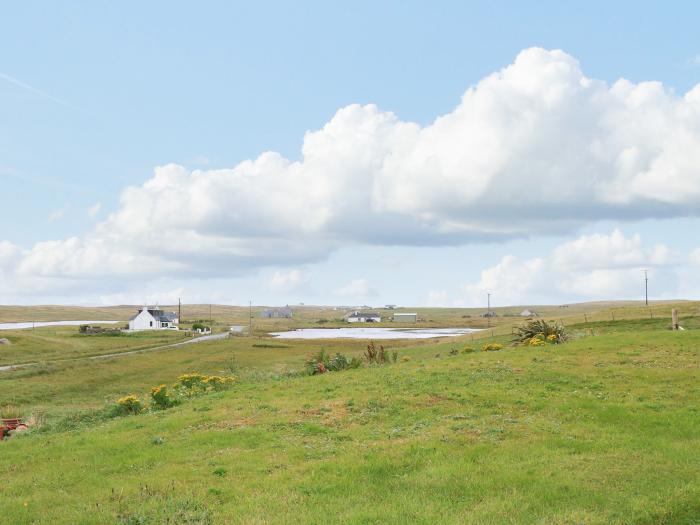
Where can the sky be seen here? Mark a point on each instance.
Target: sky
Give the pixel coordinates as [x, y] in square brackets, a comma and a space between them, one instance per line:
[348, 154]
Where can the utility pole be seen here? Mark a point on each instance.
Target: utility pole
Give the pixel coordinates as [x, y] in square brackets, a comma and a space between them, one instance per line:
[179, 310]
[250, 318]
[646, 288]
[488, 308]
[210, 321]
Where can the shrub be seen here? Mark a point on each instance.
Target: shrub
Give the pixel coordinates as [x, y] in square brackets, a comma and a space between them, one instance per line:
[160, 398]
[468, 350]
[541, 330]
[379, 356]
[536, 341]
[192, 382]
[219, 382]
[492, 347]
[321, 362]
[200, 326]
[129, 404]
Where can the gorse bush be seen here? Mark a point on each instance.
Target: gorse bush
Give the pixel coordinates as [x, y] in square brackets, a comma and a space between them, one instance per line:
[160, 398]
[539, 332]
[492, 347]
[188, 385]
[130, 404]
[218, 382]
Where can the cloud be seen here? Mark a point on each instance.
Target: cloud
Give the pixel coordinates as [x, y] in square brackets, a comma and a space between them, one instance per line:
[93, 210]
[598, 266]
[437, 299]
[695, 257]
[604, 251]
[358, 288]
[535, 148]
[35, 91]
[57, 215]
[693, 61]
[287, 281]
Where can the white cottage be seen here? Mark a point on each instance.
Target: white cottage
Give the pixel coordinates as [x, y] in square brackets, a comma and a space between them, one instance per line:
[363, 317]
[153, 319]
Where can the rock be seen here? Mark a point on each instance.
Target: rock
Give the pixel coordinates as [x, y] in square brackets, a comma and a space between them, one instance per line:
[4, 341]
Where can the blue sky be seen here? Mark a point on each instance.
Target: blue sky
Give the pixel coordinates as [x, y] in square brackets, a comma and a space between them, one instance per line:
[95, 96]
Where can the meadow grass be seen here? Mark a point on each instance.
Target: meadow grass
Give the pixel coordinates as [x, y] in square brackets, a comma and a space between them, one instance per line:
[602, 429]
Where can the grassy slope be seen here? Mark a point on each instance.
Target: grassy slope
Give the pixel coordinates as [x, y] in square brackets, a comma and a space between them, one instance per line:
[58, 388]
[604, 429]
[60, 343]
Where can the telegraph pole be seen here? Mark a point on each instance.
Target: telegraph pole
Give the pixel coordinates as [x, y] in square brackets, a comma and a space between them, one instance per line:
[646, 288]
[488, 308]
[179, 310]
[250, 318]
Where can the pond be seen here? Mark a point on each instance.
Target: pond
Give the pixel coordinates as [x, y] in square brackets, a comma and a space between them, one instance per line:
[372, 333]
[39, 324]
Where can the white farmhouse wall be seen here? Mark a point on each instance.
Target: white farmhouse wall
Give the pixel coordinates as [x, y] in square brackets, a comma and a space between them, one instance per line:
[144, 321]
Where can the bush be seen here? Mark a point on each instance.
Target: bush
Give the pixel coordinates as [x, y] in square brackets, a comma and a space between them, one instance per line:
[542, 331]
[200, 326]
[468, 350]
[160, 398]
[191, 382]
[321, 362]
[218, 382]
[129, 404]
[379, 356]
[492, 347]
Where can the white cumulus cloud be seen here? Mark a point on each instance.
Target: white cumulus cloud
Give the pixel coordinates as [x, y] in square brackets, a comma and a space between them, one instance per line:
[357, 288]
[535, 148]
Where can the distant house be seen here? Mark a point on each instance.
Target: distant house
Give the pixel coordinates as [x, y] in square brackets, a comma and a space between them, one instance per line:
[405, 318]
[363, 317]
[153, 319]
[277, 313]
[390, 306]
[528, 313]
[490, 313]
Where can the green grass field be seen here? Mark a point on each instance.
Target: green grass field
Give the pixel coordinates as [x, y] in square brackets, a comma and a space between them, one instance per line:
[602, 429]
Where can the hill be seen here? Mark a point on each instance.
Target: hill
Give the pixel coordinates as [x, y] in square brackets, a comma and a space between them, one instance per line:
[602, 429]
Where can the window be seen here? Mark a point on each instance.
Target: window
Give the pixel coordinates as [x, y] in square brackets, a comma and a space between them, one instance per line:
[150, 323]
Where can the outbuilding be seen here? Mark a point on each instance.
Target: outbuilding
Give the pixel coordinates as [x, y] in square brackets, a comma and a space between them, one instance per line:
[405, 317]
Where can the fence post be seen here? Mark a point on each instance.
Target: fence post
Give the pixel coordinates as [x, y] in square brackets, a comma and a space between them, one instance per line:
[674, 318]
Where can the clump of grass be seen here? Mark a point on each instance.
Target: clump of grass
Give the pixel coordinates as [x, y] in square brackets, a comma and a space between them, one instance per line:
[322, 362]
[539, 332]
[10, 412]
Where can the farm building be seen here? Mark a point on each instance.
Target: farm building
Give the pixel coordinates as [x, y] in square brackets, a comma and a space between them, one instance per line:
[153, 319]
[528, 313]
[277, 313]
[363, 317]
[405, 318]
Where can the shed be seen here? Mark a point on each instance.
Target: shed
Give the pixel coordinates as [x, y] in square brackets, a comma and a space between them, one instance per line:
[405, 317]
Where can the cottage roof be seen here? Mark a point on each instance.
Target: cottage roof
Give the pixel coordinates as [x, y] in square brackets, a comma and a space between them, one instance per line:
[364, 314]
